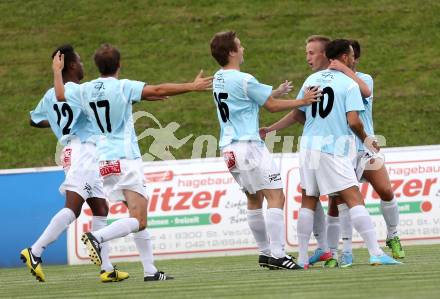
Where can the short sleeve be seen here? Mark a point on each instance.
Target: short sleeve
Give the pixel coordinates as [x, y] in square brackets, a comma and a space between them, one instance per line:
[73, 94]
[39, 113]
[133, 90]
[353, 99]
[299, 97]
[257, 91]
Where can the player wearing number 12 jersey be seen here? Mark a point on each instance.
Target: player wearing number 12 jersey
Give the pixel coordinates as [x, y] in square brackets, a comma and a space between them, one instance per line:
[108, 101]
[82, 181]
[238, 97]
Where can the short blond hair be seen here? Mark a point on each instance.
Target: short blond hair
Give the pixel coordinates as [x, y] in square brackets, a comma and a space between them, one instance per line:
[318, 38]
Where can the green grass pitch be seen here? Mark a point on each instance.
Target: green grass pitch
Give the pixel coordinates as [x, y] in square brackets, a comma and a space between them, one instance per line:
[239, 277]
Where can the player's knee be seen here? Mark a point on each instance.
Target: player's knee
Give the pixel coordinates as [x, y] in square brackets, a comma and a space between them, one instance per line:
[386, 194]
[77, 212]
[142, 224]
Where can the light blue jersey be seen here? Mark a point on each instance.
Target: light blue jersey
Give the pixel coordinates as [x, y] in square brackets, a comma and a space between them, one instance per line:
[238, 97]
[326, 128]
[108, 104]
[65, 118]
[366, 115]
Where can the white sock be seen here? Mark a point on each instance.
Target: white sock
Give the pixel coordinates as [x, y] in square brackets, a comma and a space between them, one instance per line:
[57, 225]
[99, 222]
[333, 233]
[390, 212]
[257, 225]
[275, 229]
[319, 227]
[117, 229]
[304, 230]
[145, 249]
[362, 223]
[346, 228]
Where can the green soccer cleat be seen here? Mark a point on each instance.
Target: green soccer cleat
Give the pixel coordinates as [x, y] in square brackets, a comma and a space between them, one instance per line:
[331, 263]
[396, 247]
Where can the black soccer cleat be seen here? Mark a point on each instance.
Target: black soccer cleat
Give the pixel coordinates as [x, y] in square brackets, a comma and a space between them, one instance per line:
[286, 263]
[263, 261]
[159, 275]
[93, 248]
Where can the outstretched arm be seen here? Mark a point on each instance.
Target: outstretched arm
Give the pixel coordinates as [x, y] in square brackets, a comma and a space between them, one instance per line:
[200, 83]
[276, 105]
[57, 67]
[339, 66]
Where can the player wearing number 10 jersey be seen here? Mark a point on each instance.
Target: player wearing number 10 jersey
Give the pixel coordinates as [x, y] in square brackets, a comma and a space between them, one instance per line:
[108, 101]
[327, 142]
[82, 181]
[238, 97]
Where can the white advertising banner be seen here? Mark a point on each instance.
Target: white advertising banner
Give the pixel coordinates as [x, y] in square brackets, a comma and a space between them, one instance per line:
[197, 209]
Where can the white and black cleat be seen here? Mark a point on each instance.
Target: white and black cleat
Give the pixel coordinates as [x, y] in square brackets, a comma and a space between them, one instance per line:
[263, 261]
[93, 248]
[285, 263]
[159, 275]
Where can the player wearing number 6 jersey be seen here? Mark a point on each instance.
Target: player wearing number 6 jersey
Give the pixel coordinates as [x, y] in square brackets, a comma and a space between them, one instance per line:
[107, 102]
[238, 97]
[82, 181]
[326, 145]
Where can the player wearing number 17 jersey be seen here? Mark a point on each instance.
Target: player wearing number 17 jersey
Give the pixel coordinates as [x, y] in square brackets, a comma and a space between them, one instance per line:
[238, 97]
[108, 101]
[82, 181]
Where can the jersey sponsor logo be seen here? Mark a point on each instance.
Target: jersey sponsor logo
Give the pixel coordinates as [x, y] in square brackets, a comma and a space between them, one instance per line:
[229, 158]
[107, 168]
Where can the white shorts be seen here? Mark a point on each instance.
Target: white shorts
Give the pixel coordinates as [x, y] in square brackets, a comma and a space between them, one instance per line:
[252, 166]
[121, 175]
[323, 173]
[367, 161]
[81, 169]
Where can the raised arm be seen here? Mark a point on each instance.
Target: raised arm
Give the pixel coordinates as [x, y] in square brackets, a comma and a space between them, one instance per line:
[155, 92]
[57, 67]
[276, 105]
[339, 66]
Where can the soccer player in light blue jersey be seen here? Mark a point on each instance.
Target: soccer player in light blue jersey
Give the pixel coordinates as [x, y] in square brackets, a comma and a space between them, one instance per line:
[108, 101]
[326, 144]
[369, 168]
[82, 181]
[238, 97]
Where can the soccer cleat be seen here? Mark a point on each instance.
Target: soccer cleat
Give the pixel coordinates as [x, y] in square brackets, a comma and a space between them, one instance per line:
[319, 256]
[93, 248]
[331, 263]
[346, 260]
[286, 263]
[263, 261]
[33, 263]
[376, 260]
[396, 247]
[159, 275]
[113, 276]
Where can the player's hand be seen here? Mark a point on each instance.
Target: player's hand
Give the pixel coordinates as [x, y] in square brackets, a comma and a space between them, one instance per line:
[284, 88]
[371, 144]
[311, 95]
[263, 132]
[58, 62]
[202, 83]
[338, 66]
